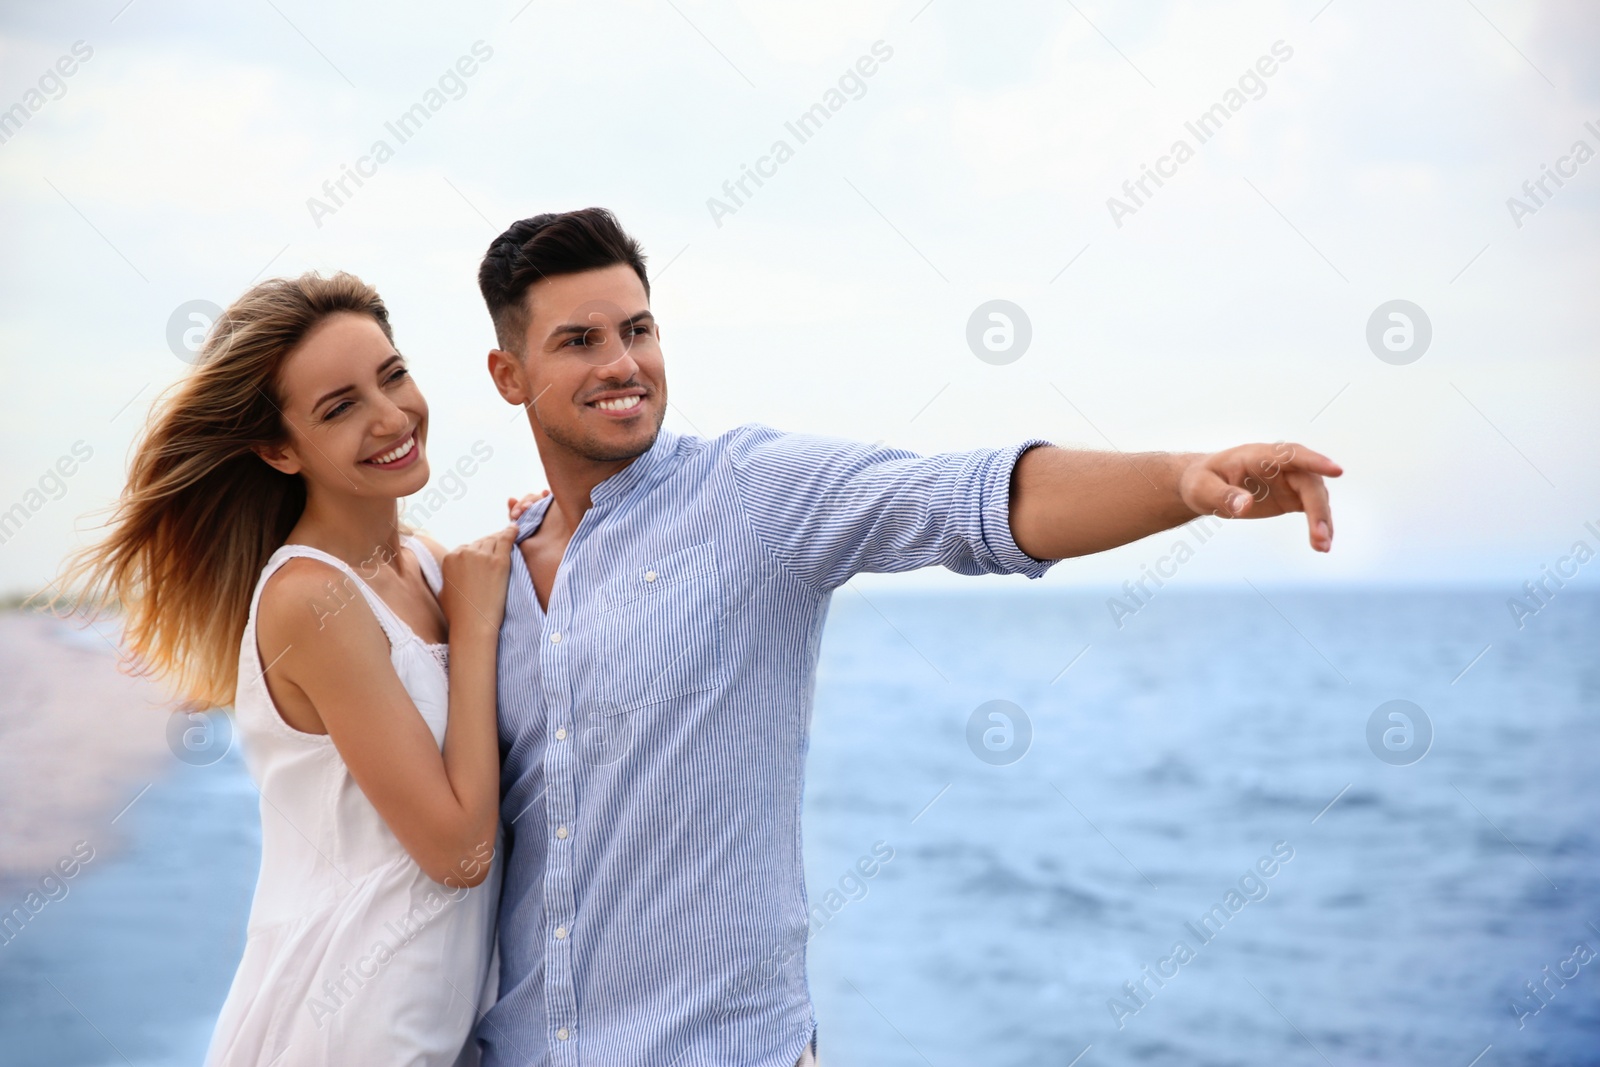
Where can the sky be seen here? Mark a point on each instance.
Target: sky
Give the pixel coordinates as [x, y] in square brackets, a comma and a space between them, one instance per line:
[1358, 154]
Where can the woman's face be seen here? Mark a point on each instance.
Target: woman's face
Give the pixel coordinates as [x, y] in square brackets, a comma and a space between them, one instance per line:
[357, 423]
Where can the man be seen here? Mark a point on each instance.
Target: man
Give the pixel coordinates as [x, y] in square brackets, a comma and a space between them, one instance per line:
[658, 656]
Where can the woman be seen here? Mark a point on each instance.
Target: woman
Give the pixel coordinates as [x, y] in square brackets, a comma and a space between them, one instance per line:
[259, 559]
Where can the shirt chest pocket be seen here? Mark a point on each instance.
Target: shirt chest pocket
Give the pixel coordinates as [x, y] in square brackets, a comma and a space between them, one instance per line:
[661, 626]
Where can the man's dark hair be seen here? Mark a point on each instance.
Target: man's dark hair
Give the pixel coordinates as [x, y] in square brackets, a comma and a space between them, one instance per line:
[545, 246]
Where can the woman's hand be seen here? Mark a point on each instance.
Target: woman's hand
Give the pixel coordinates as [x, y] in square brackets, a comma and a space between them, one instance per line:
[475, 577]
[516, 508]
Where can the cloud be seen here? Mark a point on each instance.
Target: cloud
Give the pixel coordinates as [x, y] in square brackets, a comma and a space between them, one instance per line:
[1232, 306]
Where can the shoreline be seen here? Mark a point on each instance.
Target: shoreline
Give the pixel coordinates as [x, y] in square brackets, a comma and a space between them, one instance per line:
[79, 742]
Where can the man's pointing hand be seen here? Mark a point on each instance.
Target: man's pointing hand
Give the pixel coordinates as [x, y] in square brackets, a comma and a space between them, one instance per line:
[1261, 481]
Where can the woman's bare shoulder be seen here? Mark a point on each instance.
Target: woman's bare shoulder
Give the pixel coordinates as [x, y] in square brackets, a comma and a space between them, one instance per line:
[438, 550]
[305, 595]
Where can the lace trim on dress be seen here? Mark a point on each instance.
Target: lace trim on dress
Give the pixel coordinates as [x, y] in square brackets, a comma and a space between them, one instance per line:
[440, 653]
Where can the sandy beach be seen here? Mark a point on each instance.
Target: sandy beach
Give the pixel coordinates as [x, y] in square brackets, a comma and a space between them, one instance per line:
[79, 740]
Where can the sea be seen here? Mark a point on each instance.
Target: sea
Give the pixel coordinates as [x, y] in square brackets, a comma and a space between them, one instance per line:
[1251, 825]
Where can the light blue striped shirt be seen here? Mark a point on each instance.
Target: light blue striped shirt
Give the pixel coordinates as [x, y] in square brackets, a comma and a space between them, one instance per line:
[653, 727]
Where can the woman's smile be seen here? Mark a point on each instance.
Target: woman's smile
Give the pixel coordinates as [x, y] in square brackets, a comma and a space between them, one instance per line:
[399, 457]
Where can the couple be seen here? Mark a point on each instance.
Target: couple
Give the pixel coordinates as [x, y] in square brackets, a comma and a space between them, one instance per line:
[536, 800]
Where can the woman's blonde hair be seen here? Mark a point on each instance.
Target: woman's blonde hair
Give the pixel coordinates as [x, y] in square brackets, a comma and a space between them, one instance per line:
[202, 512]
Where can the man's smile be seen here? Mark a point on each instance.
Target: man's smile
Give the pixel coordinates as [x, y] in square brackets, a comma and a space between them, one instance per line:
[619, 404]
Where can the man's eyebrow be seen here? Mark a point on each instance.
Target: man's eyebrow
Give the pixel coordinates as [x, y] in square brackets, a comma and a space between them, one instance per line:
[325, 397]
[568, 329]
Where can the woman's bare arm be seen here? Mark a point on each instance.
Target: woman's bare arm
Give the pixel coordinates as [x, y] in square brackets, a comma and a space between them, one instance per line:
[443, 807]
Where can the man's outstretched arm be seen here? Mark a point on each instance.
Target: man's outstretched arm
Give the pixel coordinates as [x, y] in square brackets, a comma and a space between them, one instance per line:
[1068, 503]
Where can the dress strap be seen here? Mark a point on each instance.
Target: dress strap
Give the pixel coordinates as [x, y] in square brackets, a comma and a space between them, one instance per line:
[430, 566]
[338, 593]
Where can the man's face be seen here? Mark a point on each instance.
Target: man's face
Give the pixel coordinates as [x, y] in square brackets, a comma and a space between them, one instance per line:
[590, 371]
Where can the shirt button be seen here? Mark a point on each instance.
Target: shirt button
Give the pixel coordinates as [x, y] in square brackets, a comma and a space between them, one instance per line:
[561, 933]
[562, 1033]
[561, 734]
[561, 831]
[649, 576]
[555, 639]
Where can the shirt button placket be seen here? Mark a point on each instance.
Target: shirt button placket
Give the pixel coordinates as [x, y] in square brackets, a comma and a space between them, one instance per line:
[560, 999]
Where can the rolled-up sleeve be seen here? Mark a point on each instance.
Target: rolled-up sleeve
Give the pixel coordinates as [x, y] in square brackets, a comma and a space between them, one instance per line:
[829, 508]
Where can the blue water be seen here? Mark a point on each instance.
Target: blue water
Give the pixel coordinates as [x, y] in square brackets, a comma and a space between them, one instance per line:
[1170, 757]
[132, 965]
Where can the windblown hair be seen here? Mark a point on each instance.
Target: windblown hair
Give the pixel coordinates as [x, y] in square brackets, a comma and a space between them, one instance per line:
[202, 511]
[545, 246]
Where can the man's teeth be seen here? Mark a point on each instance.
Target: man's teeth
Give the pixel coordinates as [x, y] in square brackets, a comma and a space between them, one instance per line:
[399, 453]
[621, 403]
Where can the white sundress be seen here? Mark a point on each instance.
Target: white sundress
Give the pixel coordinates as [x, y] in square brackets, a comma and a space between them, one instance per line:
[352, 955]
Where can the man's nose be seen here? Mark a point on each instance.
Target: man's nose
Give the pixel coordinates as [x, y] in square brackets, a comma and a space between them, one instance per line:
[614, 358]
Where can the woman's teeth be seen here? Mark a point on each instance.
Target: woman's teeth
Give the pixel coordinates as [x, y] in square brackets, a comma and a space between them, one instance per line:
[399, 453]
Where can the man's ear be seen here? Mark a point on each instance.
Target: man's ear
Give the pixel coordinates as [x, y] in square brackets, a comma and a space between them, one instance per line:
[505, 368]
[278, 457]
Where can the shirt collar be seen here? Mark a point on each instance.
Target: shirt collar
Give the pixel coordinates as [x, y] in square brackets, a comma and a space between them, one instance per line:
[532, 518]
[656, 458]
[653, 460]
